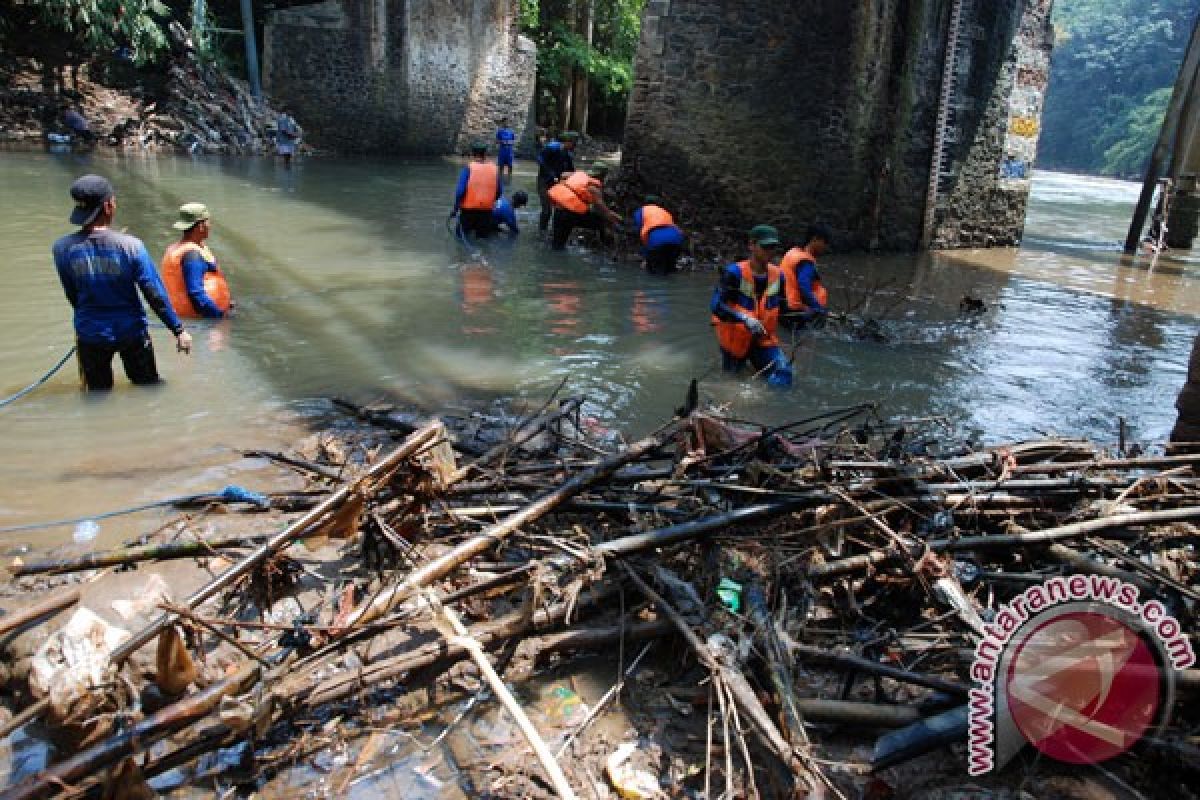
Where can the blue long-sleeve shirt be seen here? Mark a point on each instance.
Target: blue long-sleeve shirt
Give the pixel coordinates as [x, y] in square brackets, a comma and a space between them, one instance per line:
[460, 191]
[806, 273]
[554, 160]
[194, 267]
[101, 274]
[504, 214]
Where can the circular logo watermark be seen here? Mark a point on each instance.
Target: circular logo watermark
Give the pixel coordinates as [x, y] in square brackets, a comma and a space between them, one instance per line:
[1082, 686]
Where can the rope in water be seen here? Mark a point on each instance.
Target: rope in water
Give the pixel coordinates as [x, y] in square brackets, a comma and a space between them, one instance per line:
[15, 397]
[230, 494]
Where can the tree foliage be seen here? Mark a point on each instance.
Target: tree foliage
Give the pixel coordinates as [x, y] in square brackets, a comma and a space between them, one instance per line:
[1115, 63]
[563, 51]
[80, 29]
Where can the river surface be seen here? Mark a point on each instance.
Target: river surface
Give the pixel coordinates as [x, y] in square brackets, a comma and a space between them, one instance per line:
[348, 283]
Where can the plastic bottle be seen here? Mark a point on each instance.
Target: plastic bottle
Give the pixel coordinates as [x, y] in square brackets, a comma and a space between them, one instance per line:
[86, 531]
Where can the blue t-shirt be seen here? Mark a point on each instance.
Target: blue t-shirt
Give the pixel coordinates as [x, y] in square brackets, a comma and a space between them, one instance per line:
[505, 214]
[554, 160]
[101, 274]
[505, 140]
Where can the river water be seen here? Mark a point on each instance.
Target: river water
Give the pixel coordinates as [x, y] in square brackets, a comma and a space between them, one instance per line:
[348, 283]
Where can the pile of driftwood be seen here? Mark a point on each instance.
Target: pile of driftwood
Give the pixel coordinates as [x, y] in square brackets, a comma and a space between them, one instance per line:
[809, 587]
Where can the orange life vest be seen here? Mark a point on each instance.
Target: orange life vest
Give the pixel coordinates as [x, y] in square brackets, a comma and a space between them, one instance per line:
[574, 193]
[481, 187]
[790, 266]
[171, 268]
[654, 217]
[733, 336]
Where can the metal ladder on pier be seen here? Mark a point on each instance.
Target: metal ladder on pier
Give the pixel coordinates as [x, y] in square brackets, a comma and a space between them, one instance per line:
[945, 126]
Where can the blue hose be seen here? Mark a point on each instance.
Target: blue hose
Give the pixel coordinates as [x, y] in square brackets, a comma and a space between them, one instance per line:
[230, 494]
[39, 381]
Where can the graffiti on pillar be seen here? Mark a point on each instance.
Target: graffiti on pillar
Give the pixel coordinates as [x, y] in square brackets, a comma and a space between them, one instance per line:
[1031, 77]
[1024, 126]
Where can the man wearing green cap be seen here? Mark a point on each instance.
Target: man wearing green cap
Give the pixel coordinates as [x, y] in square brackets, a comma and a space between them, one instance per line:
[194, 281]
[745, 310]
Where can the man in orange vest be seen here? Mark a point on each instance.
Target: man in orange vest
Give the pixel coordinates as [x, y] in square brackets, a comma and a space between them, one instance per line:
[578, 201]
[662, 240]
[745, 310]
[806, 300]
[189, 270]
[478, 190]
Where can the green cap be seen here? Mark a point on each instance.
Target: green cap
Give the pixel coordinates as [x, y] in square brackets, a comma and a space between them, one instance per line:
[652, 200]
[764, 236]
[478, 148]
[568, 136]
[598, 171]
[190, 214]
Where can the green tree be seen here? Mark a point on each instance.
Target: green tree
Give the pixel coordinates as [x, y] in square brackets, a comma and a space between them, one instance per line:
[1112, 59]
[585, 58]
[75, 30]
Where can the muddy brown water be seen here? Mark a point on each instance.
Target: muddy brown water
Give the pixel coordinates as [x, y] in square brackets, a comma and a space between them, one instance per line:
[348, 283]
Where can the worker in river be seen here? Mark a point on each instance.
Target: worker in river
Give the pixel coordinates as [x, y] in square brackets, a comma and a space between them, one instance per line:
[475, 196]
[101, 272]
[506, 142]
[745, 310]
[504, 213]
[662, 240]
[194, 282]
[554, 161]
[578, 201]
[806, 301]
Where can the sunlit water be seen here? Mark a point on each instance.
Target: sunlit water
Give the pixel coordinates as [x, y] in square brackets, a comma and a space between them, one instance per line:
[348, 283]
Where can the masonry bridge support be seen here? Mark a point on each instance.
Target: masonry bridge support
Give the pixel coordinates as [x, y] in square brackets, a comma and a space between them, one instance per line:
[900, 123]
[401, 76]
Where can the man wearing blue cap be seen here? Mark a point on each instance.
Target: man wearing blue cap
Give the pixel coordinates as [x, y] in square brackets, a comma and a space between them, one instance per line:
[101, 273]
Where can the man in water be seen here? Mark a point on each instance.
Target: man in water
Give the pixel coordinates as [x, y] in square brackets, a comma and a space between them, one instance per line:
[662, 240]
[578, 201]
[78, 125]
[806, 300]
[506, 141]
[475, 196]
[287, 135]
[102, 272]
[554, 161]
[745, 310]
[194, 282]
[505, 212]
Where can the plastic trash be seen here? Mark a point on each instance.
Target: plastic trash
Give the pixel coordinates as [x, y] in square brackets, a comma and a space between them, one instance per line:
[730, 593]
[86, 531]
[238, 494]
[563, 707]
[631, 783]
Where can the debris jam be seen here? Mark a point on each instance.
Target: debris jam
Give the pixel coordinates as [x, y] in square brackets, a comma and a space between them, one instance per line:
[804, 610]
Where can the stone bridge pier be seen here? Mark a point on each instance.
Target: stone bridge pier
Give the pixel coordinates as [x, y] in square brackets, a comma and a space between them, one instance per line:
[900, 123]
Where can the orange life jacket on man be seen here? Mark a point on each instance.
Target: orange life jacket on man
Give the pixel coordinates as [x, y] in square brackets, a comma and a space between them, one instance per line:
[171, 268]
[574, 193]
[790, 266]
[482, 184]
[654, 217]
[733, 336]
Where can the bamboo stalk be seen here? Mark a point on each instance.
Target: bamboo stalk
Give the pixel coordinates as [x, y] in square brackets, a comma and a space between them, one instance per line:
[133, 555]
[51, 605]
[463, 638]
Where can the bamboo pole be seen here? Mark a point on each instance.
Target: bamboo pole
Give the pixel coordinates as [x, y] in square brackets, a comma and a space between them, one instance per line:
[133, 555]
[463, 638]
[51, 605]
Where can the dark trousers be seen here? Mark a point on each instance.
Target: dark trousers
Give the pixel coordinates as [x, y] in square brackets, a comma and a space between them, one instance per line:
[661, 260]
[137, 355]
[476, 223]
[543, 187]
[567, 221]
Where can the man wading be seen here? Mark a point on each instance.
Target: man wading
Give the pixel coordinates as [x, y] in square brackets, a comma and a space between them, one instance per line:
[745, 310]
[475, 196]
[101, 273]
